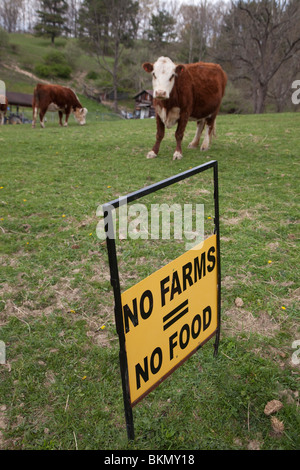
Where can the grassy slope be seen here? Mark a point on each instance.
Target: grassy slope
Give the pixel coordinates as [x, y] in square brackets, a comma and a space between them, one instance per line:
[26, 51]
[61, 385]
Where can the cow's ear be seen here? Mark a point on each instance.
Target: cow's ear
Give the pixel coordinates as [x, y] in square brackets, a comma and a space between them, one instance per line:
[148, 67]
[179, 68]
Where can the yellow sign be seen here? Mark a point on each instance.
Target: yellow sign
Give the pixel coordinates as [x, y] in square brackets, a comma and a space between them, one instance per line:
[168, 315]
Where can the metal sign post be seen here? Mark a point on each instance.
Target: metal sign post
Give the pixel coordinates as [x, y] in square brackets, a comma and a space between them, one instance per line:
[179, 327]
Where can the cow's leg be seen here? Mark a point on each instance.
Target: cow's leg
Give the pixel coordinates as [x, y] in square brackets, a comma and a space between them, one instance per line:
[60, 114]
[195, 142]
[179, 136]
[66, 120]
[34, 116]
[209, 132]
[1, 119]
[68, 112]
[160, 132]
[214, 132]
[42, 114]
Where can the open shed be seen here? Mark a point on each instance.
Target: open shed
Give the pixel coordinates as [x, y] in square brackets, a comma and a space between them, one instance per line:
[22, 100]
[16, 104]
[144, 104]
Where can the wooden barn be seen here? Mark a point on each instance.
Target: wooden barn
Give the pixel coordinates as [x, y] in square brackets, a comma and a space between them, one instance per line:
[144, 104]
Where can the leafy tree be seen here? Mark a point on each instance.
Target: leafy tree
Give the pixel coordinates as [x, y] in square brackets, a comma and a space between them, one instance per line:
[161, 28]
[54, 65]
[52, 19]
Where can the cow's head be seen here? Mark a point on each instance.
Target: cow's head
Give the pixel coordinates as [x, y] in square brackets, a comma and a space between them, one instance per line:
[79, 115]
[163, 72]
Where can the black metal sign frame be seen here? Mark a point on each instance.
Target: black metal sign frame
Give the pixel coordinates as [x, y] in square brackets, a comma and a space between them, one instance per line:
[114, 271]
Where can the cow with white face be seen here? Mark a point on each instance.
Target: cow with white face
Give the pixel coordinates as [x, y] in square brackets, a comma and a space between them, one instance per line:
[184, 92]
[57, 98]
[163, 77]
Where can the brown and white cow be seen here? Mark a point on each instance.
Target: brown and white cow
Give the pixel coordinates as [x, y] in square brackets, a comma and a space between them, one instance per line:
[56, 98]
[182, 93]
[3, 108]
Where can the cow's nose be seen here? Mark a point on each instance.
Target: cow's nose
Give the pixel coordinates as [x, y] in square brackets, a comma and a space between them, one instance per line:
[160, 94]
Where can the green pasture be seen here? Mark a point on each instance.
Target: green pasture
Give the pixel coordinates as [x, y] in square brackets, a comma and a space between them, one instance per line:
[60, 386]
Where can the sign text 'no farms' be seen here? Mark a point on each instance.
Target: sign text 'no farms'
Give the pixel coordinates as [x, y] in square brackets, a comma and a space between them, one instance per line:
[169, 315]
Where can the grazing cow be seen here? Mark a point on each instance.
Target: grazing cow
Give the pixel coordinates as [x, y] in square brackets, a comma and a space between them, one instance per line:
[183, 93]
[3, 108]
[56, 98]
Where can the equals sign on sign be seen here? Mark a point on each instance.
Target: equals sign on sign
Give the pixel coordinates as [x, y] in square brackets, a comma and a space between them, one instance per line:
[175, 314]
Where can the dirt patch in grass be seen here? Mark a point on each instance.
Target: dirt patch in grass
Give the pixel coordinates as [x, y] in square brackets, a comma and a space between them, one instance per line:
[229, 282]
[61, 296]
[294, 296]
[100, 337]
[2, 425]
[244, 214]
[238, 320]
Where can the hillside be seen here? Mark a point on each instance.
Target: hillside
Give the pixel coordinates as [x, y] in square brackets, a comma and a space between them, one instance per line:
[26, 55]
[26, 52]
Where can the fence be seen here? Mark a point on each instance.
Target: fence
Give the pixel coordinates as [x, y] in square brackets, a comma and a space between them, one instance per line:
[25, 116]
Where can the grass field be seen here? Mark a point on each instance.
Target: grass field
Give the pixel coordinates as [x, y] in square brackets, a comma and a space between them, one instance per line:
[60, 387]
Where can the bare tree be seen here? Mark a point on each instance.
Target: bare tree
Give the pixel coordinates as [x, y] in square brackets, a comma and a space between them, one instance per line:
[73, 15]
[146, 7]
[259, 38]
[194, 29]
[28, 15]
[199, 27]
[10, 13]
[108, 27]
[279, 90]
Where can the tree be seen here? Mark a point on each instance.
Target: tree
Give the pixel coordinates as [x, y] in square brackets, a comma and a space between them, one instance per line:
[10, 11]
[53, 19]
[194, 30]
[161, 28]
[108, 26]
[199, 27]
[144, 16]
[4, 41]
[73, 13]
[28, 14]
[259, 38]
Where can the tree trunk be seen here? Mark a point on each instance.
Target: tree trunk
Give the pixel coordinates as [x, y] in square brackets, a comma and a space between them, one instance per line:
[115, 97]
[259, 98]
[191, 44]
[115, 75]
